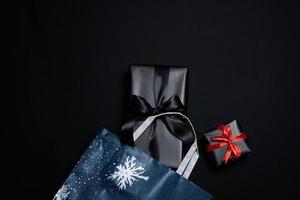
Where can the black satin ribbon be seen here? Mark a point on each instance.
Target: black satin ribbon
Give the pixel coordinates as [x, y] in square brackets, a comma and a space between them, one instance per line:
[140, 105]
[175, 125]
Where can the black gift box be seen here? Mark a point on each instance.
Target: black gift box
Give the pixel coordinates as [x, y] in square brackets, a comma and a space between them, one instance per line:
[154, 90]
[217, 154]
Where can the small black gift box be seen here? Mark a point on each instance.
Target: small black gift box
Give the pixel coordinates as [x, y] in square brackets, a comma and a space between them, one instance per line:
[155, 90]
[227, 142]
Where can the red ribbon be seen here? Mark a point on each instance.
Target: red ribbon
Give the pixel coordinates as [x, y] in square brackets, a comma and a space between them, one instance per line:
[233, 151]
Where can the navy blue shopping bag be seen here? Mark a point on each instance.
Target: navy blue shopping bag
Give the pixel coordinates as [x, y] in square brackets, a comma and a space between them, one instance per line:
[110, 170]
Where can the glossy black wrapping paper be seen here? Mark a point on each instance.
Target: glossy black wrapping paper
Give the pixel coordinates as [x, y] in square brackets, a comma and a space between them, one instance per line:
[154, 90]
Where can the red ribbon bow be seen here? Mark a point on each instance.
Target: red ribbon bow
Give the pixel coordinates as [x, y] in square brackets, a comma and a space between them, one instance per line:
[226, 138]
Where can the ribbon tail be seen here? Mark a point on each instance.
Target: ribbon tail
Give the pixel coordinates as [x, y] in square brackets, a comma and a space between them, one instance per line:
[236, 150]
[227, 155]
[128, 128]
[153, 141]
[177, 127]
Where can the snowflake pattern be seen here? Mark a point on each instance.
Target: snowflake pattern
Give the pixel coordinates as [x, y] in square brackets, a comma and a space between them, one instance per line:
[62, 193]
[127, 173]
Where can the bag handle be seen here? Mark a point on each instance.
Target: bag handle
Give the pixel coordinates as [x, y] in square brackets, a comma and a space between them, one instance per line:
[188, 163]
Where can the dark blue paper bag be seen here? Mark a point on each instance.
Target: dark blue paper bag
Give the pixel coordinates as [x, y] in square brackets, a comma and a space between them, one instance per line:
[109, 170]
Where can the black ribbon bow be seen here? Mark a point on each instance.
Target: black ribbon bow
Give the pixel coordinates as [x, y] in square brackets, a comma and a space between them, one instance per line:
[177, 126]
[140, 106]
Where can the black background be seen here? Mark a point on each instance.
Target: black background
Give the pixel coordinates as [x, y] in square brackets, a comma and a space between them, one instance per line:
[68, 64]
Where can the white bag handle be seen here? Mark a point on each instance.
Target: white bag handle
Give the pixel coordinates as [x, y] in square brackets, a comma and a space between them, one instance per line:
[186, 166]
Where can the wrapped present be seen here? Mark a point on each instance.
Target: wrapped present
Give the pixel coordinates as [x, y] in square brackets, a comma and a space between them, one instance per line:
[154, 90]
[109, 170]
[226, 143]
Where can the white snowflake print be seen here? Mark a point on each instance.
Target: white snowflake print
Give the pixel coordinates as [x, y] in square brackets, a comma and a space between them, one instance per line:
[127, 173]
[62, 193]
